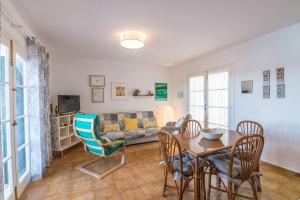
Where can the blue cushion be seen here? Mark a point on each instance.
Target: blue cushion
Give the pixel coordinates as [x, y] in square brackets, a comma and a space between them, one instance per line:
[221, 163]
[188, 161]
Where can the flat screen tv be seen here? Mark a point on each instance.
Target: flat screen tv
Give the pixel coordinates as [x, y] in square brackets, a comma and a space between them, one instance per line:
[68, 103]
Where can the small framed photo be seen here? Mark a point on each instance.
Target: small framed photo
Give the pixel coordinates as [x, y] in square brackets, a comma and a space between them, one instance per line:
[119, 91]
[266, 92]
[247, 87]
[266, 77]
[98, 95]
[280, 75]
[97, 81]
[281, 91]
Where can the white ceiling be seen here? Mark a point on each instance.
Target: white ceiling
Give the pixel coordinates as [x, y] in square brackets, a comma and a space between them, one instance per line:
[176, 30]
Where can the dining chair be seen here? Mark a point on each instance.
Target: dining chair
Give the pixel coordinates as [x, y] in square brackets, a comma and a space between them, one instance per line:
[191, 128]
[176, 163]
[86, 128]
[248, 127]
[237, 167]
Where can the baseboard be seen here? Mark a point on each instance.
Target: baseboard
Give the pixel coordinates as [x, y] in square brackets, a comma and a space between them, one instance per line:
[281, 168]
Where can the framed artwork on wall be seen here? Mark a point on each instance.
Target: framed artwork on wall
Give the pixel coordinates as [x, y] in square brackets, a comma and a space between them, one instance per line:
[280, 75]
[161, 91]
[98, 95]
[266, 77]
[247, 87]
[266, 92]
[119, 91]
[97, 81]
[281, 91]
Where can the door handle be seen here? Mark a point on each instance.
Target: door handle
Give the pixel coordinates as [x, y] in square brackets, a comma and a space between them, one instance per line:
[14, 123]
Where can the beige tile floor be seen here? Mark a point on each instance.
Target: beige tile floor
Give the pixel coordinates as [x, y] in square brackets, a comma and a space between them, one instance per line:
[141, 178]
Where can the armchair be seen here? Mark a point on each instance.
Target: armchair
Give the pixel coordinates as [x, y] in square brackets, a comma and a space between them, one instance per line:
[86, 128]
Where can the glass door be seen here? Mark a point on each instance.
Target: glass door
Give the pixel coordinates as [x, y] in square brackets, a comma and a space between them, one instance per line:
[217, 100]
[197, 98]
[14, 123]
[21, 124]
[209, 99]
[6, 123]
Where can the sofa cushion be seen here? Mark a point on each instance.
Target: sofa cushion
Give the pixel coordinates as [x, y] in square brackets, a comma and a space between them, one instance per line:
[149, 123]
[121, 116]
[127, 135]
[145, 115]
[111, 126]
[130, 123]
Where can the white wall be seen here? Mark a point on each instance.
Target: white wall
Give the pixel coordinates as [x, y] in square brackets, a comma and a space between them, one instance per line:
[279, 117]
[70, 75]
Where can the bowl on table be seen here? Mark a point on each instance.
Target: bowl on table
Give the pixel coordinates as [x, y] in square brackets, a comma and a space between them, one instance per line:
[212, 133]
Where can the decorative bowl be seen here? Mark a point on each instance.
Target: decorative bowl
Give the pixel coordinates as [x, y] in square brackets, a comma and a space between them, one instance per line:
[212, 133]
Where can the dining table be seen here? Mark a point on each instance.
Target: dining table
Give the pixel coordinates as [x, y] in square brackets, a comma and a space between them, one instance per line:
[201, 148]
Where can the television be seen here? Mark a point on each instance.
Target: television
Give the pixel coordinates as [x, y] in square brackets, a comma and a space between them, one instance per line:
[68, 103]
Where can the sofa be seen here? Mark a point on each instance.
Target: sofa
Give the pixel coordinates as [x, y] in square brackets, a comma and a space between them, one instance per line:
[118, 131]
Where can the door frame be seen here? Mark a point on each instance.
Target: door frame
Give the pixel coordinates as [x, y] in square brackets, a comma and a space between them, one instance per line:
[18, 183]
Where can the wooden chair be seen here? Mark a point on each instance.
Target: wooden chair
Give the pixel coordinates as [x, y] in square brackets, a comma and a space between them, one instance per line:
[191, 128]
[248, 127]
[86, 129]
[238, 167]
[178, 164]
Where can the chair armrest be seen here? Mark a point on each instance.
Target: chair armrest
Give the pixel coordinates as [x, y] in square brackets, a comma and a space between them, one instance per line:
[112, 143]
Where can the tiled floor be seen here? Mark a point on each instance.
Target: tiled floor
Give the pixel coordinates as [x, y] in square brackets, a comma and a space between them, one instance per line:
[140, 178]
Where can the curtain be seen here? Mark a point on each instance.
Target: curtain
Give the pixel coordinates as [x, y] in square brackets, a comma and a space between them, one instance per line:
[1, 161]
[39, 108]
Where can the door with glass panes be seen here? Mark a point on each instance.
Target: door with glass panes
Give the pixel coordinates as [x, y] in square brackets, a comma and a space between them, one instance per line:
[14, 122]
[209, 99]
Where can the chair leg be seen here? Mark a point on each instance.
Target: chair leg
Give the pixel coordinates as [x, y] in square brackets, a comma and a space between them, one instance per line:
[83, 168]
[181, 186]
[253, 186]
[165, 180]
[229, 192]
[209, 183]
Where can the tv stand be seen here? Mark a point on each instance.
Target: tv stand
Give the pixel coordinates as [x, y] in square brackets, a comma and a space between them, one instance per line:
[62, 131]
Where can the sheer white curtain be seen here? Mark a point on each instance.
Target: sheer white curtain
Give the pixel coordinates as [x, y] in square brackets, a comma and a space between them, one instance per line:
[39, 108]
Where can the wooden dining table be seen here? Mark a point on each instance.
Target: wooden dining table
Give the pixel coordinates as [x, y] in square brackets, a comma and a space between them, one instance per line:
[201, 147]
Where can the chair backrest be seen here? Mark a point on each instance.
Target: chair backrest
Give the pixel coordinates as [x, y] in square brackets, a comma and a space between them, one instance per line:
[171, 151]
[86, 128]
[245, 154]
[191, 128]
[248, 127]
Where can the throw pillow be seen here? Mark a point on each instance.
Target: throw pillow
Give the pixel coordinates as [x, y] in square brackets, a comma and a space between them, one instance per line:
[111, 127]
[130, 123]
[149, 123]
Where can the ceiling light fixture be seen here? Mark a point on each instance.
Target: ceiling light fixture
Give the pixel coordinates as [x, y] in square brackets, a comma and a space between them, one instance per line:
[132, 39]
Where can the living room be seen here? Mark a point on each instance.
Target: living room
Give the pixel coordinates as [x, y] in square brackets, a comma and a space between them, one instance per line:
[149, 99]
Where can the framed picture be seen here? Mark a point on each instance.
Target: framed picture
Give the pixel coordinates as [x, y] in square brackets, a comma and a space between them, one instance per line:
[161, 91]
[266, 77]
[247, 87]
[119, 91]
[97, 81]
[280, 75]
[266, 92]
[98, 95]
[281, 91]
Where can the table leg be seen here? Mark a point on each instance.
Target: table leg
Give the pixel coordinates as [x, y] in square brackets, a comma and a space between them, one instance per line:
[199, 180]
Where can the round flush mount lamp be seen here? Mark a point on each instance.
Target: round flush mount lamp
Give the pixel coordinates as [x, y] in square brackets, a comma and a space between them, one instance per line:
[132, 39]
